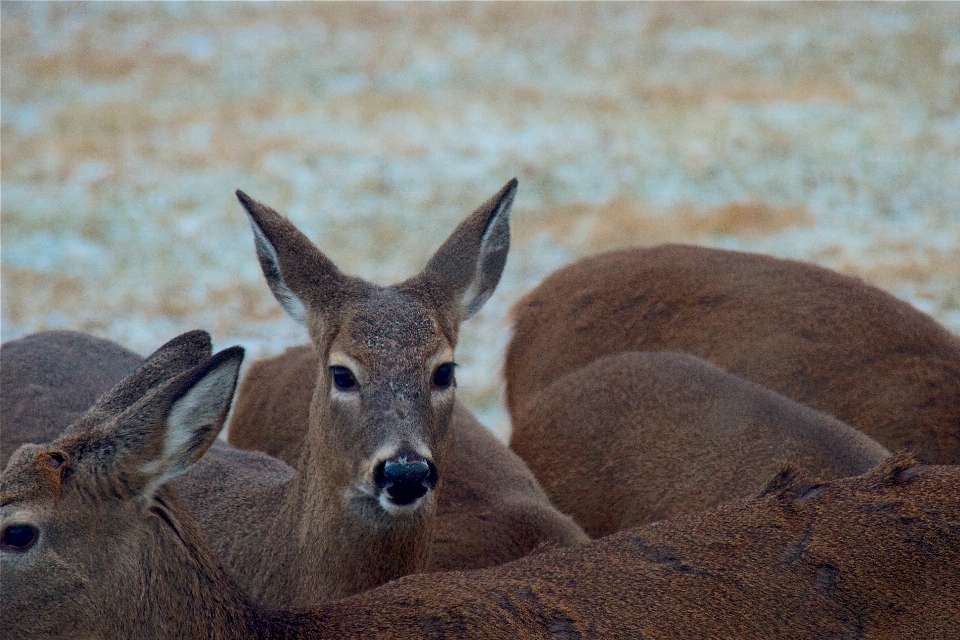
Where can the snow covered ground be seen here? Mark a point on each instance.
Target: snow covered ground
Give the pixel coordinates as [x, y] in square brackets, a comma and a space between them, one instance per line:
[829, 133]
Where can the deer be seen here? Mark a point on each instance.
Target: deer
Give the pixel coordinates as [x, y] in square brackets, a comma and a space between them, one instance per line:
[491, 508]
[826, 340]
[638, 437]
[41, 396]
[371, 405]
[362, 508]
[95, 540]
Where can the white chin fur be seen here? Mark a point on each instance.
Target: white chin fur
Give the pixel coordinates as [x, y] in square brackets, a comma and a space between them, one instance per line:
[399, 510]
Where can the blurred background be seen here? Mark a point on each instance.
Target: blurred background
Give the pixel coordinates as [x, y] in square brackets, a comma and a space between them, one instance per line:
[829, 133]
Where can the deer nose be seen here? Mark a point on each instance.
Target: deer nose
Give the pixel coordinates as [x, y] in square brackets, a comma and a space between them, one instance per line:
[405, 477]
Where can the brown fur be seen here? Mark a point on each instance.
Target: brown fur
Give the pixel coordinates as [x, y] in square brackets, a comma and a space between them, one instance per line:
[490, 507]
[339, 537]
[829, 341]
[55, 395]
[875, 556]
[638, 437]
[294, 538]
[275, 423]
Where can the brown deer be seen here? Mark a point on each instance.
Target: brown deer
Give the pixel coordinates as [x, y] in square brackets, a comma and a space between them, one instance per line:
[363, 508]
[643, 436]
[820, 338]
[372, 405]
[93, 543]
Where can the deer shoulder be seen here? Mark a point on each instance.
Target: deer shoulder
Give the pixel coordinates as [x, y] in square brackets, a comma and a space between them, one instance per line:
[638, 437]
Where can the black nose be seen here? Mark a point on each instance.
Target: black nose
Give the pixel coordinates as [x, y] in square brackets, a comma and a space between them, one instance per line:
[405, 477]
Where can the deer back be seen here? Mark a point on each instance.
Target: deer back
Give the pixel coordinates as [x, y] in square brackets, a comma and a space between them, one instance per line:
[823, 339]
[51, 378]
[876, 555]
[272, 409]
[41, 396]
[638, 437]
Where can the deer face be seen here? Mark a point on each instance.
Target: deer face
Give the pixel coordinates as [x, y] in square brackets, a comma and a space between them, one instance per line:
[68, 551]
[382, 408]
[85, 530]
[384, 404]
[35, 565]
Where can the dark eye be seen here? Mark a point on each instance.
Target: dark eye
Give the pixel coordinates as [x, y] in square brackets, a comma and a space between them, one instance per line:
[443, 376]
[18, 537]
[343, 378]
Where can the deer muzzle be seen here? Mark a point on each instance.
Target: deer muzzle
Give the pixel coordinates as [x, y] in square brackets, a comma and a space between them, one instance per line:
[405, 478]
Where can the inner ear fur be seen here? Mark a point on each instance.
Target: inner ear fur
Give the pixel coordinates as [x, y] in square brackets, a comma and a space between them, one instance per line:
[299, 275]
[466, 269]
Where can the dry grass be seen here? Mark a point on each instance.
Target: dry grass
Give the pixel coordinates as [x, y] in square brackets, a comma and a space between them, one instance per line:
[620, 223]
[826, 132]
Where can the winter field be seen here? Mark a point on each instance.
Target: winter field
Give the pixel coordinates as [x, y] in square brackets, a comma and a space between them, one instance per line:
[829, 133]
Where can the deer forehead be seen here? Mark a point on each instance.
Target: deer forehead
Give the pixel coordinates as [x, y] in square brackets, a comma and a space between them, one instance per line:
[28, 478]
[390, 330]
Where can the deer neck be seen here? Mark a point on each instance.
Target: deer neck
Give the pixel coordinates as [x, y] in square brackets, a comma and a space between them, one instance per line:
[331, 551]
[197, 598]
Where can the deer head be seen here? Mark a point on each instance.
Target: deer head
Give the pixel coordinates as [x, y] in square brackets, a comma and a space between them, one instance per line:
[84, 520]
[382, 407]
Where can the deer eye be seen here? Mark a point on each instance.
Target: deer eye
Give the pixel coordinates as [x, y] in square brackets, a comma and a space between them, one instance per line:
[17, 538]
[343, 378]
[443, 376]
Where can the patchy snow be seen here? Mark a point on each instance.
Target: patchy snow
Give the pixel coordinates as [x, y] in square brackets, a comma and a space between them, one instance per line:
[822, 132]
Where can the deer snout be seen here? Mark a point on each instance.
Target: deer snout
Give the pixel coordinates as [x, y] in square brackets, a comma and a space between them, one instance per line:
[405, 478]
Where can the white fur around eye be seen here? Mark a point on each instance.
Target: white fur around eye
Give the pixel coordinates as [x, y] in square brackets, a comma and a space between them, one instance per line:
[341, 359]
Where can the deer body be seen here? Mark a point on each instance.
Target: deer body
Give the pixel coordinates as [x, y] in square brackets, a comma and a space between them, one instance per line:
[638, 437]
[49, 396]
[94, 541]
[820, 338]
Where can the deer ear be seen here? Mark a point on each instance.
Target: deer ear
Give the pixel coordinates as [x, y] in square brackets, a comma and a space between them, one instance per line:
[465, 270]
[190, 348]
[297, 272]
[173, 358]
[192, 410]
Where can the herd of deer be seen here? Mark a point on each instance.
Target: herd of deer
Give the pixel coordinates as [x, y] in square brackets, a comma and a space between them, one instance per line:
[716, 421]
